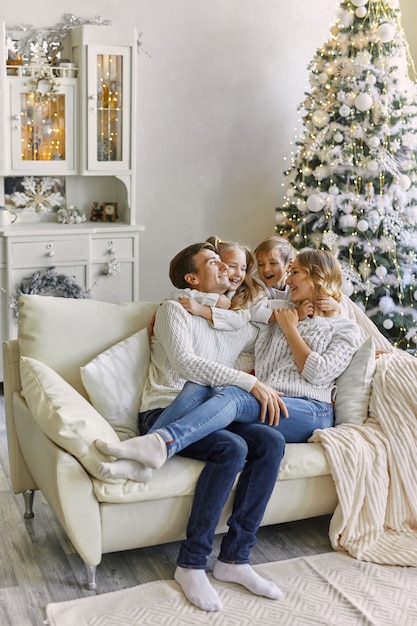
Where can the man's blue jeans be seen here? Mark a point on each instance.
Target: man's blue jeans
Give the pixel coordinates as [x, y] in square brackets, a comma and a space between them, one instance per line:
[251, 449]
[198, 411]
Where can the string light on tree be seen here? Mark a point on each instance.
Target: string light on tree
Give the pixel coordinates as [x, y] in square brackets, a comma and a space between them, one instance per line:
[352, 183]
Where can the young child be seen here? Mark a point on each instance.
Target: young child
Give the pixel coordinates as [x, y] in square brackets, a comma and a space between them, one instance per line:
[274, 257]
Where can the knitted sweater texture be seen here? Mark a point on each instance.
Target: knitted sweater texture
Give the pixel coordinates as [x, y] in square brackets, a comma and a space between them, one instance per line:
[333, 341]
[187, 347]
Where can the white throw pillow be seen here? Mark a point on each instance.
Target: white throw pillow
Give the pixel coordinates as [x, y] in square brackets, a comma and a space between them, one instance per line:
[114, 382]
[354, 386]
[64, 415]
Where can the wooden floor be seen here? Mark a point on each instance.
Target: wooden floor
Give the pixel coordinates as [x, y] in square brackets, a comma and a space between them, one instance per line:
[38, 564]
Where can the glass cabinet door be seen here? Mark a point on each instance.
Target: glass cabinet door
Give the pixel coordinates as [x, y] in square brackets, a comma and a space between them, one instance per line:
[42, 126]
[109, 109]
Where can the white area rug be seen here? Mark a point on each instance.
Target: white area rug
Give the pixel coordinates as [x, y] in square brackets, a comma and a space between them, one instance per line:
[328, 589]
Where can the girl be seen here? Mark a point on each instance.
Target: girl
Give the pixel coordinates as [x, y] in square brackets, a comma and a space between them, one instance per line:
[231, 310]
[299, 359]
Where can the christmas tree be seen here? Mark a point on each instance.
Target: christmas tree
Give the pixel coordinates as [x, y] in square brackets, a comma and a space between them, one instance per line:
[352, 185]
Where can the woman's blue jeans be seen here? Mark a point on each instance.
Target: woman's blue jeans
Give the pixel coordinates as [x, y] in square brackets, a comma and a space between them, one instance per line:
[251, 449]
[199, 411]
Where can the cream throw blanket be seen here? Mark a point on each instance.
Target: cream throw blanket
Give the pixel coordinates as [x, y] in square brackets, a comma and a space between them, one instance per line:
[374, 466]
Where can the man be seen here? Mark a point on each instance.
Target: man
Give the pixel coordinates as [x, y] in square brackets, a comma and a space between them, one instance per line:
[187, 347]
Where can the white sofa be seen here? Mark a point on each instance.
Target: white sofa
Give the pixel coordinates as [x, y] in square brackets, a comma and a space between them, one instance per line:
[51, 427]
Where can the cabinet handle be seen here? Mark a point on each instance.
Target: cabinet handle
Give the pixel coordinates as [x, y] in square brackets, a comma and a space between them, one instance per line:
[50, 253]
[16, 116]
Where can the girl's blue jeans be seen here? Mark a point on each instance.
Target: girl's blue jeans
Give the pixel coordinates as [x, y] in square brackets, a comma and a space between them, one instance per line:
[198, 411]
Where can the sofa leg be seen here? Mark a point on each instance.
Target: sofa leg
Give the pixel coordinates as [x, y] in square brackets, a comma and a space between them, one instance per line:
[28, 496]
[91, 575]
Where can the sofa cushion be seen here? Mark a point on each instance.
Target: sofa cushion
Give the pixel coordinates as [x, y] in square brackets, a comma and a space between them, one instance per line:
[64, 415]
[179, 475]
[114, 382]
[66, 333]
[354, 386]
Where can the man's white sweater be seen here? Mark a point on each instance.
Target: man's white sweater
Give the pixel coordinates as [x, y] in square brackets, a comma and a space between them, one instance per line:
[187, 347]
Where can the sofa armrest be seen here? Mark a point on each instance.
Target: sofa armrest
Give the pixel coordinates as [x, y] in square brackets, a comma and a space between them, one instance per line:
[64, 483]
[20, 475]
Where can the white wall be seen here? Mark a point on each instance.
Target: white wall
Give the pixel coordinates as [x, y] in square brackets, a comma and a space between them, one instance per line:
[218, 99]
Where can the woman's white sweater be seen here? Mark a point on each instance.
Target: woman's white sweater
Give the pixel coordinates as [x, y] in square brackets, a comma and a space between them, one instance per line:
[333, 341]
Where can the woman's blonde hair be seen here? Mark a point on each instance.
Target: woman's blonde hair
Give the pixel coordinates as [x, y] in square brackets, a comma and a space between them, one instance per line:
[251, 287]
[323, 270]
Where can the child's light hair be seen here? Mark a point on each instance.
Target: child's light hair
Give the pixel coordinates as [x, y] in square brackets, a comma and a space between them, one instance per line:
[286, 250]
[324, 272]
[250, 288]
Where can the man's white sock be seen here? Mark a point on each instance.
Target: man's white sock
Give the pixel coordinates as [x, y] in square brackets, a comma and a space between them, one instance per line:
[197, 588]
[243, 574]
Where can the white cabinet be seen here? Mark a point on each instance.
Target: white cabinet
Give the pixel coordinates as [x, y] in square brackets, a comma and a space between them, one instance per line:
[103, 259]
[72, 123]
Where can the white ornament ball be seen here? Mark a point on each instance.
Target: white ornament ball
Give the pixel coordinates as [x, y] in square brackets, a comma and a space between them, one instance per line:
[338, 137]
[322, 78]
[415, 295]
[359, 3]
[361, 12]
[315, 203]
[385, 33]
[404, 182]
[373, 142]
[373, 166]
[320, 118]
[344, 110]
[381, 271]
[386, 305]
[388, 324]
[362, 226]
[363, 102]
[394, 4]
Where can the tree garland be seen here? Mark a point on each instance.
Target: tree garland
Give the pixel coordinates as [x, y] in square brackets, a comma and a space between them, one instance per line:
[48, 282]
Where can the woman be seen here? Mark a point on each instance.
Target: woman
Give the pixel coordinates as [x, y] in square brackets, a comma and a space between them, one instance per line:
[300, 359]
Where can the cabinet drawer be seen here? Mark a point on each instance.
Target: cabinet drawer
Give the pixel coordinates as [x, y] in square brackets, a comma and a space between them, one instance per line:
[48, 252]
[119, 247]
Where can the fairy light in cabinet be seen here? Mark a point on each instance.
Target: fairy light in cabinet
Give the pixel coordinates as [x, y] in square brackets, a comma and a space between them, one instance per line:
[109, 107]
[42, 121]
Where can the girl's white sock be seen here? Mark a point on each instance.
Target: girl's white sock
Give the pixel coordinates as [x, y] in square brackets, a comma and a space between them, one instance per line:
[151, 450]
[125, 468]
